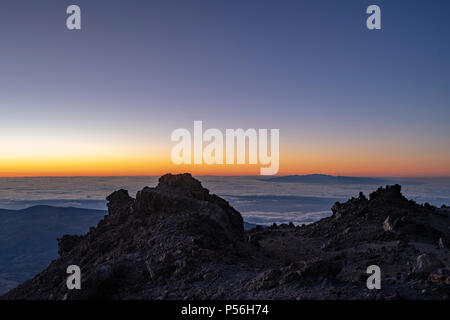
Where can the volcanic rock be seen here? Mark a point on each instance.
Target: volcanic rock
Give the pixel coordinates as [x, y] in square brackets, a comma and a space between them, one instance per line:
[178, 241]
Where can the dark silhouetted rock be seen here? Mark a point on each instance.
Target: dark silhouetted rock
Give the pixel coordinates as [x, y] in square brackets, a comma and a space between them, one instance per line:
[178, 241]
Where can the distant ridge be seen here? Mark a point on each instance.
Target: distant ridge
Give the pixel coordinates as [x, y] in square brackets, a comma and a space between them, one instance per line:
[327, 179]
[28, 238]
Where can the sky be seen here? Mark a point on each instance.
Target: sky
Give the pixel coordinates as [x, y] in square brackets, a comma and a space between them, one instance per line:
[104, 100]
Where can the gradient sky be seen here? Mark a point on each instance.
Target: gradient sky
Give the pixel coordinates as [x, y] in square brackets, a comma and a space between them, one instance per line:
[104, 100]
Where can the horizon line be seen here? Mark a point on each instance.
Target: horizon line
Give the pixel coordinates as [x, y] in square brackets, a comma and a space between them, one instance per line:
[226, 175]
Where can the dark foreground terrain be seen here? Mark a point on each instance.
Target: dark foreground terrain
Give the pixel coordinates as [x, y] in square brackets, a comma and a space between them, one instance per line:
[177, 241]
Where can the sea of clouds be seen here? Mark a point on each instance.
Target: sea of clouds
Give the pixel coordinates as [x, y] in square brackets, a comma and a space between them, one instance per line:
[259, 201]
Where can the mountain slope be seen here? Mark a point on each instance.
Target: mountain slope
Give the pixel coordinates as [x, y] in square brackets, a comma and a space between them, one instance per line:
[177, 241]
[28, 238]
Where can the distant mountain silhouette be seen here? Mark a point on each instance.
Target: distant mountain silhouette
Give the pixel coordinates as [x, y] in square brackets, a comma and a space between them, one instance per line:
[327, 179]
[28, 238]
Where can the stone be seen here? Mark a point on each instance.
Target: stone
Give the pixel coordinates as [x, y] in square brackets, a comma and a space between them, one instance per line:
[387, 225]
[441, 244]
[426, 263]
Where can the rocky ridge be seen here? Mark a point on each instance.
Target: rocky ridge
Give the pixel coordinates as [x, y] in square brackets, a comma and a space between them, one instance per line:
[178, 241]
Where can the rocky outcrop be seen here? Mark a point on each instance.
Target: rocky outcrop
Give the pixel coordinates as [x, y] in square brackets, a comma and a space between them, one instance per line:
[178, 241]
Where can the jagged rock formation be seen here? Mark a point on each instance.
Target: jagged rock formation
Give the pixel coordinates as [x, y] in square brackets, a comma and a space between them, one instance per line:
[177, 241]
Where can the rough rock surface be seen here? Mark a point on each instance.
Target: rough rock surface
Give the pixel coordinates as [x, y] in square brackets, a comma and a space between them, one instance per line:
[177, 241]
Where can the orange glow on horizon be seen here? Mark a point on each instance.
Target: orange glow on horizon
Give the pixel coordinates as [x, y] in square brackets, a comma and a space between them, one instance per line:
[50, 155]
[292, 164]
